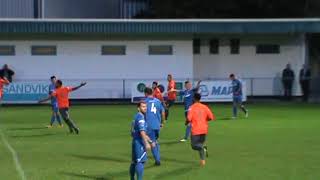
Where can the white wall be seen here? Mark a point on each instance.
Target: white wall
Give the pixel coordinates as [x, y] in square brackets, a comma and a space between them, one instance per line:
[248, 64]
[83, 60]
[77, 60]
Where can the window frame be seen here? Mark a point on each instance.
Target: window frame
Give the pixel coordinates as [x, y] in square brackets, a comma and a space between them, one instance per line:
[274, 49]
[34, 47]
[235, 46]
[11, 52]
[123, 50]
[214, 46]
[169, 53]
[196, 46]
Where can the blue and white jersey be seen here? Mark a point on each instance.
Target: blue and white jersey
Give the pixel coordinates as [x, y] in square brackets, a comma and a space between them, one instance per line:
[138, 124]
[52, 88]
[188, 97]
[154, 111]
[236, 88]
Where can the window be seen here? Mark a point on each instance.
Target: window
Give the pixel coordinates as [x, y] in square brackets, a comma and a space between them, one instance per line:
[214, 46]
[160, 50]
[235, 46]
[44, 50]
[196, 46]
[268, 49]
[7, 50]
[113, 50]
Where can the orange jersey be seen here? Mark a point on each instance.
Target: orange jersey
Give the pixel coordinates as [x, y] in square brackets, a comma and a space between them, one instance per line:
[199, 115]
[62, 95]
[2, 83]
[157, 94]
[172, 95]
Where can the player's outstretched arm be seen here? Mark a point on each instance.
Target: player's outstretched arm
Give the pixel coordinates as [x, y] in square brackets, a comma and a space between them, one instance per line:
[77, 87]
[174, 90]
[198, 84]
[6, 81]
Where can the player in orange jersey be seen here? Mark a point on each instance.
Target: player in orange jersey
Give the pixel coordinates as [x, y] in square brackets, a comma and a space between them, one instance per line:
[157, 92]
[198, 116]
[62, 95]
[172, 95]
[3, 82]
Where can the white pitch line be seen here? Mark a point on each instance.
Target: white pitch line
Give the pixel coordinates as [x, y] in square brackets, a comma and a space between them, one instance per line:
[14, 156]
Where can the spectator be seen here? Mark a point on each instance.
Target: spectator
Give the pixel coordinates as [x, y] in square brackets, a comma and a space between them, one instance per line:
[287, 80]
[6, 72]
[305, 78]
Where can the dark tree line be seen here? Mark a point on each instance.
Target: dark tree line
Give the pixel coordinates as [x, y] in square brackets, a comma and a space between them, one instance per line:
[232, 9]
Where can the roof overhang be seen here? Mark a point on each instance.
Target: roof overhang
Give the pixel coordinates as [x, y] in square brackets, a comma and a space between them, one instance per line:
[159, 26]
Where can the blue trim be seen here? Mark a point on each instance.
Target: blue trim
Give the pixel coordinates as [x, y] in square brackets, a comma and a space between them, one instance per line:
[125, 27]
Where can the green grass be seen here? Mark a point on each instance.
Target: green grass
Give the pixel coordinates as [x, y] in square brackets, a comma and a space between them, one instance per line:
[278, 142]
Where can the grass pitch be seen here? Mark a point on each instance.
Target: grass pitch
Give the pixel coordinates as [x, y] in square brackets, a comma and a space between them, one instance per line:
[278, 141]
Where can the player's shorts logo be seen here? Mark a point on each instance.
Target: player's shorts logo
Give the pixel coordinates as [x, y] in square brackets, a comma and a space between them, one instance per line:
[141, 87]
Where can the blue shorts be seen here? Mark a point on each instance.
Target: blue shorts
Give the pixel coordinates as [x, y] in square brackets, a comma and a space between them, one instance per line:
[154, 134]
[139, 153]
[55, 108]
[237, 99]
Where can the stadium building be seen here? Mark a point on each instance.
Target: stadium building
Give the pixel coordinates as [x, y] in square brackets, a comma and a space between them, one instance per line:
[111, 53]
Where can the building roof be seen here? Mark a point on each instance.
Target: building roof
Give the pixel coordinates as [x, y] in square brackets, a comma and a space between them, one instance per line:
[159, 26]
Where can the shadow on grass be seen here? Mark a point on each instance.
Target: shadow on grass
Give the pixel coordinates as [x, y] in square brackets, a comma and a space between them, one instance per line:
[101, 158]
[164, 160]
[170, 142]
[107, 176]
[225, 119]
[173, 173]
[176, 160]
[33, 135]
[86, 176]
[26, 129]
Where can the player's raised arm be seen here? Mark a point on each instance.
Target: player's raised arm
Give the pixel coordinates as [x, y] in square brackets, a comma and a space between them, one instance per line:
[198, 84]
[6, 81]
[174, 90]
[77, 87]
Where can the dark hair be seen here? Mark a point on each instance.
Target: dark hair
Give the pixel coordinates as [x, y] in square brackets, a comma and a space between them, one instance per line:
[186, 82]
[59, 82]
[140, 103]
[155, 83]
[231, 75]
[197, 96]
[52, 77]
[148, 91]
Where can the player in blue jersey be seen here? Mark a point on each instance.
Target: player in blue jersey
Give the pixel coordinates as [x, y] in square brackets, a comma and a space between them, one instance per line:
[140, 142]
[54, 104]
[237, 96]
[155, 117]
[187, 95]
